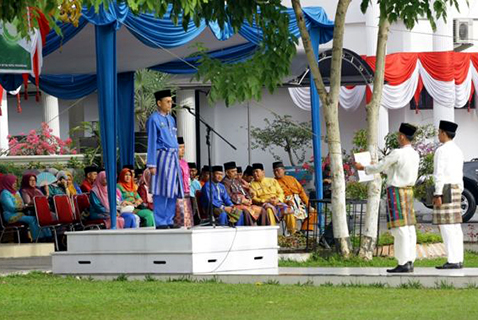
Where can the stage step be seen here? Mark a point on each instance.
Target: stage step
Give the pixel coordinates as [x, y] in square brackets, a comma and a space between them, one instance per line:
[200, 250]
[195, 240]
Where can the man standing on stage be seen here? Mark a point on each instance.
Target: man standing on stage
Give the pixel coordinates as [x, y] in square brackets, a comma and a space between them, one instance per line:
[448, 177]
[163, 161]
[401, 167]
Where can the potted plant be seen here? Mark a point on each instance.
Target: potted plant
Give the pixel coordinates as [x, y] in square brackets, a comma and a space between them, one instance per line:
[146, 83]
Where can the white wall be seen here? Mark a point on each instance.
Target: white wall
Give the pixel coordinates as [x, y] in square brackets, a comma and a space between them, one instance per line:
[232, 124]
[31, 116]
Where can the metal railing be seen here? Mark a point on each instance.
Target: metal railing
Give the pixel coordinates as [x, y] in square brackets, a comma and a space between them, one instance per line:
[322, 231]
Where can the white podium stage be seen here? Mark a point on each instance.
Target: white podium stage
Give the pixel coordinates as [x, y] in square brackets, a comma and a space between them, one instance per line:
[200, 250]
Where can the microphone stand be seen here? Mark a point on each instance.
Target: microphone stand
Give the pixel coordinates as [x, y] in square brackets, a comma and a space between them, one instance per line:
[209, 129]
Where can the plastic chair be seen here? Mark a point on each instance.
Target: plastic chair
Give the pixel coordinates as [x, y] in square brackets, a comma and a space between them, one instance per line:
[202, 213]
[64, 210]
[82, 204]
[10, 227]
[45, 218]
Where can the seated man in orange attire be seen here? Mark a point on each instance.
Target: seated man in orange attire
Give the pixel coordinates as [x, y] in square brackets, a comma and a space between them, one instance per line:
[294, 193]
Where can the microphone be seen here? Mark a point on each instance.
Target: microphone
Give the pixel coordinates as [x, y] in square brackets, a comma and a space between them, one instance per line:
[189, 109]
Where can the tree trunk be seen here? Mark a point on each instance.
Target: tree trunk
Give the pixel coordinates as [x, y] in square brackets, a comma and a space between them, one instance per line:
[339, 213]
[288, 148]
[369, 234]
[329, 103]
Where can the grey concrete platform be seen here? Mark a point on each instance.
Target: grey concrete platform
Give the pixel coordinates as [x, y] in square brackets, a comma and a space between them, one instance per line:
[24, 265]
[427, 277]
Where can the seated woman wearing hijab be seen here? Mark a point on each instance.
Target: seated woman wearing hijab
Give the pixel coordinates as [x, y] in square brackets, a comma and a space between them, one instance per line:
[129, 193]
[71, 187]
[14, 207]
[143, 189]
[28, 191]
[100, 207]
[60, 187]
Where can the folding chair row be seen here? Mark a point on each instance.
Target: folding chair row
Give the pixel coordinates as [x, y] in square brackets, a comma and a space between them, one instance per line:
[46, 219]
[14, 227]
[82, 204]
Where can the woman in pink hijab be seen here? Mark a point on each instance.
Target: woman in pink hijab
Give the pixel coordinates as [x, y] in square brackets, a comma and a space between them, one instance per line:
[143, 189]
[99, 205]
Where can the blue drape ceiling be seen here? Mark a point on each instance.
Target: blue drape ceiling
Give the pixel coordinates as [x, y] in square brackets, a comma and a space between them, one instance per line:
[156, 33]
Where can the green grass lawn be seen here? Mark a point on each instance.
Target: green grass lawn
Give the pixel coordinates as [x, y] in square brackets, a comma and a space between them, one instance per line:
[43, 296]
[471, 261]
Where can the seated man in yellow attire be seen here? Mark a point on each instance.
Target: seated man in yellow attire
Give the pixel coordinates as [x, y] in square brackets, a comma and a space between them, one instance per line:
[269, 194]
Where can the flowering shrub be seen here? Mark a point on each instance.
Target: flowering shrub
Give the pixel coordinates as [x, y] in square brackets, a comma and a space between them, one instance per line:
[40, 142]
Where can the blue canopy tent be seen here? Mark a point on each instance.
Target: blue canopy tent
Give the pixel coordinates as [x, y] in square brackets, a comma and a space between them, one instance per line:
[113, 77]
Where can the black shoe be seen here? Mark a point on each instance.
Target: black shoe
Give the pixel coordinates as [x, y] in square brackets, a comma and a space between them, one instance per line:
[406, 268]
[448, 265]
[162, 227]
[410, 264]
[173, 226]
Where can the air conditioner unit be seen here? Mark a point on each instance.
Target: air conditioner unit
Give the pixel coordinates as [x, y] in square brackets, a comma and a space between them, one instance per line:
[462, 31]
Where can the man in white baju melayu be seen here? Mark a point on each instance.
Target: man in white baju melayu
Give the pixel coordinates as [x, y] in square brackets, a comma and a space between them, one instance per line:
[448, 177]
[401, 168]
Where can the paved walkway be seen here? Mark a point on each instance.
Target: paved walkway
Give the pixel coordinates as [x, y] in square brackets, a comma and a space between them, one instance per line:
[427, 277]
[24, 265]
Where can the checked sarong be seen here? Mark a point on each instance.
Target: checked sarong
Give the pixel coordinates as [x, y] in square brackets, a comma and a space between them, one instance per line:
[449, 213]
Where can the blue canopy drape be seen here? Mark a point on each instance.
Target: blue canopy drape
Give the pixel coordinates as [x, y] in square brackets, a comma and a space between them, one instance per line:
[125, 116]
[107, 101]
[156, 33]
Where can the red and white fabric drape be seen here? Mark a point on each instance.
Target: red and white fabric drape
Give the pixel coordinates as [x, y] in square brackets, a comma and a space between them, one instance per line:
[449, 77]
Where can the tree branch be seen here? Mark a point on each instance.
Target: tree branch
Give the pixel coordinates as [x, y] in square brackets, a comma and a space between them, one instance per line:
[383, 29]
[309, 51]
[337, 49]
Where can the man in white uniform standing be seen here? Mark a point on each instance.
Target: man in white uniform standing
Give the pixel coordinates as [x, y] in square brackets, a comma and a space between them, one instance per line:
[448, 177]
[401, 168]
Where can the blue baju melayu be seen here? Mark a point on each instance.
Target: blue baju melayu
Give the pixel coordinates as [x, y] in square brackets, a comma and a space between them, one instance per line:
[166, 185]
[220, 199]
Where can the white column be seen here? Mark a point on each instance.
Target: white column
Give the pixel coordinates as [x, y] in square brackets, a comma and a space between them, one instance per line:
[51, 113]
[443, 41]
[187, 123]
[371, 22]
[371, 27]
[4, 122]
